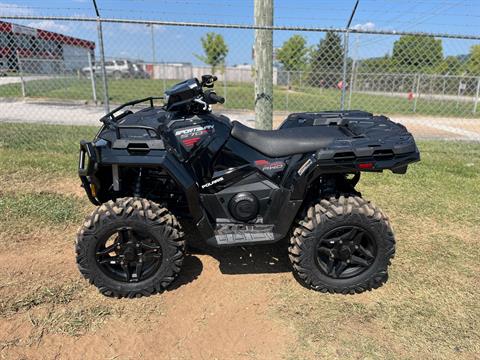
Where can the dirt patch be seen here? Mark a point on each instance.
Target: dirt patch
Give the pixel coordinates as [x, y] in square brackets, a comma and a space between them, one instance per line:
[218, 308]
[38, 184]
[471, 127]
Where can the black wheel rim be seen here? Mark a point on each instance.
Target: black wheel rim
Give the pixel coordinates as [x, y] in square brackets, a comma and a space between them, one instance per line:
[345, 252]
[128, 255]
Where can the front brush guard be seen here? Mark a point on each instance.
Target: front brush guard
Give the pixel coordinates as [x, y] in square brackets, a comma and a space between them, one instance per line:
[86, 167]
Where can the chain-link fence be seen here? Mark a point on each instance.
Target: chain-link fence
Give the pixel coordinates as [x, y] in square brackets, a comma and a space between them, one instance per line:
[429, 82]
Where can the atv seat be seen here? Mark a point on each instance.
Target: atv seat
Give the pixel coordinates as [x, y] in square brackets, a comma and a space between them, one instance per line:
[285, 142]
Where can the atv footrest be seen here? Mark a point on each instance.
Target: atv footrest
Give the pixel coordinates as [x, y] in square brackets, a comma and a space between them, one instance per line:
[242, 234]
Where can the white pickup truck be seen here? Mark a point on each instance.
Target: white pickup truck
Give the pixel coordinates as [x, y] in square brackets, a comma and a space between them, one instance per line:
[118, 69]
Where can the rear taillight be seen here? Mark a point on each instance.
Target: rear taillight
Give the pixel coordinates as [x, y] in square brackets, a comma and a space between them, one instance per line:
[366, 166]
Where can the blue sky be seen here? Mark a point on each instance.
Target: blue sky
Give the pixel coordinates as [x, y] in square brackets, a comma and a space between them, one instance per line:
[179, 44]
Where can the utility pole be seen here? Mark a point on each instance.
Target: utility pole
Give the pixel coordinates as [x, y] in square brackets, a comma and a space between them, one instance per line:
[263, 54]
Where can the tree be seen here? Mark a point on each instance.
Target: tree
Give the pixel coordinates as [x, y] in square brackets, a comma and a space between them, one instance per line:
[473, 63]
[327, 61]
[451, 65]
[215, 49]
[293, 53]
[414, 53]
[376, 65]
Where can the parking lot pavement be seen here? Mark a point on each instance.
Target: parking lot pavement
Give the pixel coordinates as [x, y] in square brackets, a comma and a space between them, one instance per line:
[50, 113]
[72, 114]
[83, 114]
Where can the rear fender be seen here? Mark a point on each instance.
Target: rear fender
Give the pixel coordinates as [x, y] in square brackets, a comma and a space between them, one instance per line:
[309, 168]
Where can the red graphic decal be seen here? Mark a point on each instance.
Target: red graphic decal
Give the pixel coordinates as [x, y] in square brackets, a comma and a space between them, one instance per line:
[261, 162]
[265, 165]
[191, 142]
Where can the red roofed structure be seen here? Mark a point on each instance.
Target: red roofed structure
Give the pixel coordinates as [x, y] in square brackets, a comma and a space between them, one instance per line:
[39, 51]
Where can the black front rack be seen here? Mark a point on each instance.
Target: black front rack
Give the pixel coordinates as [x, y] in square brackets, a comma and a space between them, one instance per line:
[110, 120]
[111, 115]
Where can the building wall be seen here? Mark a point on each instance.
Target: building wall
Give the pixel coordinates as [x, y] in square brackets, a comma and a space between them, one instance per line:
[242, 74]
[75, 58]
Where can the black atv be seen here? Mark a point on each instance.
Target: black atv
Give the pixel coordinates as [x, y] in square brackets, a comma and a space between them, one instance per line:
[147, 170]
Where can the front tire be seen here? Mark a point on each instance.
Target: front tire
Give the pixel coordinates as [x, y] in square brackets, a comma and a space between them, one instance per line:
[130, 248]
[342, 245]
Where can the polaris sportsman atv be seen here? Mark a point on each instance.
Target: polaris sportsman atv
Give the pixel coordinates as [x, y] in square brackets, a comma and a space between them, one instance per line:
[147, 170]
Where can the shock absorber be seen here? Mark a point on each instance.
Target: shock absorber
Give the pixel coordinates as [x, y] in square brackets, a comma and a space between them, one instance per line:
[138, 184]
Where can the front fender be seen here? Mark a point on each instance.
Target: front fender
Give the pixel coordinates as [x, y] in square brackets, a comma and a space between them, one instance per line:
[100, 154]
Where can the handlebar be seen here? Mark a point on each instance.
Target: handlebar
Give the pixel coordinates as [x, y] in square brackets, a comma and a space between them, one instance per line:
[213, 98]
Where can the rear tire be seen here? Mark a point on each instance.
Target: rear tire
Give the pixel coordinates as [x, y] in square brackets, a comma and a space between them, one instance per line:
[130, 248]
[342, 245]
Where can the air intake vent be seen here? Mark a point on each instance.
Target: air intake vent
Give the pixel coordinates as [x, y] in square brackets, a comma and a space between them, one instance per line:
[345, 156]
[138, 146]
[383, 154]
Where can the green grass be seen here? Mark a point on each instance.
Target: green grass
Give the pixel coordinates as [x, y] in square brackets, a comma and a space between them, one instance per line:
[46, 208]
[41, 150]
[239, 96]
[443, 185]
[58, 139]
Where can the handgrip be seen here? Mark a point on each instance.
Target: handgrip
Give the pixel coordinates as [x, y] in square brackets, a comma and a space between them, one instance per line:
[213, 98]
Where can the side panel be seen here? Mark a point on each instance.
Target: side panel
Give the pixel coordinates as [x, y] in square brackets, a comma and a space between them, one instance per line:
[236, 161]
[240, 171]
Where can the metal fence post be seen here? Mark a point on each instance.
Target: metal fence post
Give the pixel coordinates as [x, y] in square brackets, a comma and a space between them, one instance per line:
[344, 72]
[106, 101]
[345, 56]
[92, 77]
[225, 84]
[352, 78]
[164, 76]
[22, 80]
[288, 90]
[417, 92]
[154, 55]
[477, 93]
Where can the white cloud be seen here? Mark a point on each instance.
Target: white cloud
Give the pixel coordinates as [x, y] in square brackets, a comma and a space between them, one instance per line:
[365, 27]
[14, 9]
[49, 25]
[134, 28]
